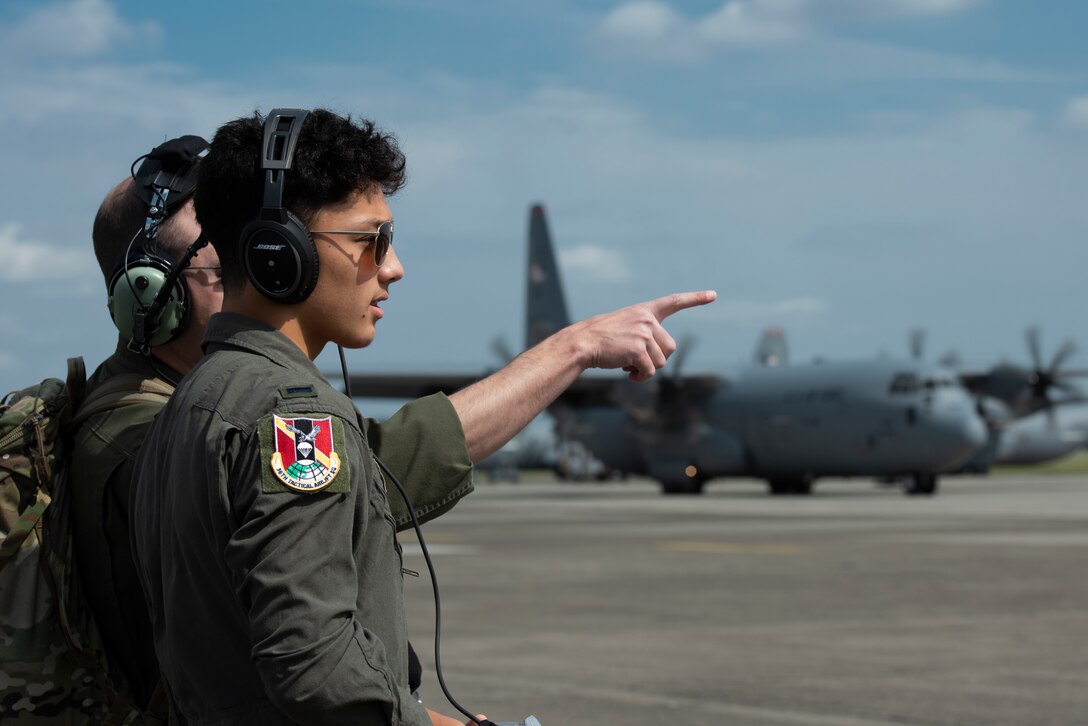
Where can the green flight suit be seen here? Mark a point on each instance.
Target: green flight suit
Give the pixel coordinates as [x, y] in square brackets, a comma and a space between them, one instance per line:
[103, 453]
[271, 604]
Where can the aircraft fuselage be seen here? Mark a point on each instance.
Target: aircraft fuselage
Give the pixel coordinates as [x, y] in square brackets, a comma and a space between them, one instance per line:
[868, 418]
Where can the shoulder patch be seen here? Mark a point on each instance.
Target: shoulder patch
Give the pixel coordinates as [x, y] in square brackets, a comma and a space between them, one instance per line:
[301, 453]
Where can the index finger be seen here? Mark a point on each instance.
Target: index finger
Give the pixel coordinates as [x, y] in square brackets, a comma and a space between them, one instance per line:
[663, 307]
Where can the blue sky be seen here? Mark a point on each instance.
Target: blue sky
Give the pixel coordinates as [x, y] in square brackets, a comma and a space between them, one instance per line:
[846, 169]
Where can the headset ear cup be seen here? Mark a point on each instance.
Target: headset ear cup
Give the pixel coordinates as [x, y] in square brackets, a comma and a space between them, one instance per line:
[280, 258]
[132, 290]
[311, 263]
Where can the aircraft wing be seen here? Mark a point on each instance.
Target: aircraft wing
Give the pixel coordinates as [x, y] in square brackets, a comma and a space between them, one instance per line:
[979, 381]
[585, 391]
[973, 381]
[591, 390]
[408, 385]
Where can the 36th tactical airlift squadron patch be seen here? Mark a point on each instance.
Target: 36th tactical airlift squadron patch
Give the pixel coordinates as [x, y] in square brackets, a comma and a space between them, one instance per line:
[302, 453]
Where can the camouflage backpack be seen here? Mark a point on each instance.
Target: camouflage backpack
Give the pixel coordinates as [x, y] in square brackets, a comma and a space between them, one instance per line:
[52, 667]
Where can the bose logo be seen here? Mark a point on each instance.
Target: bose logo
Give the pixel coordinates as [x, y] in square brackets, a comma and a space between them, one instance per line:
[270, 248]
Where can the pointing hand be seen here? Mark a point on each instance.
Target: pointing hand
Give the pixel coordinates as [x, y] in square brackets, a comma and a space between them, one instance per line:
[633, 338]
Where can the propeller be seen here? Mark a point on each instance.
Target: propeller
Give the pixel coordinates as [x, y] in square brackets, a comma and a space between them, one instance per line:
[1024, 390]
[683, 350]
[672, 402]
[1044, 379]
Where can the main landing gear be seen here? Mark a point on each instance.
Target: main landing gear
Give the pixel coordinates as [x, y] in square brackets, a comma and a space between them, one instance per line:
[920, 485]
[786, 486]
[683, 486]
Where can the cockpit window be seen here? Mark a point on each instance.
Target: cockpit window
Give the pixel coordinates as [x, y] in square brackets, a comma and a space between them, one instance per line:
[907, 383]
[904, 383]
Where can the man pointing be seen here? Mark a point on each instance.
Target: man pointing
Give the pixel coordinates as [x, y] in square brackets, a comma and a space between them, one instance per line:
[272, 570]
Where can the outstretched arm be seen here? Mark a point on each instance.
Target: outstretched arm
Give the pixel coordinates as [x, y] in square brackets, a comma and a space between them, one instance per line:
[493, 410]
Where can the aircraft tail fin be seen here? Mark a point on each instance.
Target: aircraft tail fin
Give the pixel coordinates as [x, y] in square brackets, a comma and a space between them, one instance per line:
[546, 308]
[771, 349]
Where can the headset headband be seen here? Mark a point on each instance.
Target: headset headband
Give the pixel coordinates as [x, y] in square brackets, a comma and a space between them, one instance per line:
[167, 178]
[281, 129]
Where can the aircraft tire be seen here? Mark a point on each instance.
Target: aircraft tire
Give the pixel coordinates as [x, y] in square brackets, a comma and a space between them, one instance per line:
[790, 486]
[682, 487]
[920, 485]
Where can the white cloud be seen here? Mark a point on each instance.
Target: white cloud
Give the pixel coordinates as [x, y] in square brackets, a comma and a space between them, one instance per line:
[75, 29]
[764, 312]
[905, 8]
[643, 20]
[597, 263]
[653, 29]
[32, 261]
[754, 23]
[1076, 112]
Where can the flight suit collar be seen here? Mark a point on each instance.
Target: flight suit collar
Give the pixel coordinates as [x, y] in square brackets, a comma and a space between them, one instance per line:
[233, 330]
[127, 361]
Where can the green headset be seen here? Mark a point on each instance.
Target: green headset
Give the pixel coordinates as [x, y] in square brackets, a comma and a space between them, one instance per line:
[148, 297]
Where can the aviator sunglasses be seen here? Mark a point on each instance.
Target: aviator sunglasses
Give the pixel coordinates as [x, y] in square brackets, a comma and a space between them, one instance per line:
[382, 239]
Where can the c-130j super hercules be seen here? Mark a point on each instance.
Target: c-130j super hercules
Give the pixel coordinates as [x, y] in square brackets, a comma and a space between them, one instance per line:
[790, 425]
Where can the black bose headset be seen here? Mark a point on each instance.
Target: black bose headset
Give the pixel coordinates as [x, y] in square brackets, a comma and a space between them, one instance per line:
[278, 251]
[148, 297]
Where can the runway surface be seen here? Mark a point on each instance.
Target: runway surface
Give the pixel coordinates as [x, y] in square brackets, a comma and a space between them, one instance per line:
[611, 604]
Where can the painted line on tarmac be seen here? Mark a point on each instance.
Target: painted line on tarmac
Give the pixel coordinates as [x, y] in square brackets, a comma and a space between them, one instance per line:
[413, 550]
[737, 712]
[730, 548]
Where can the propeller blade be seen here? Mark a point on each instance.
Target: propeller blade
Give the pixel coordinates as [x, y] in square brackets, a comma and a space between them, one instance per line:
[1051, 421]
[501, 348]
[1068, 387]
[1032, 336]
[683, 348]
[1068, 348]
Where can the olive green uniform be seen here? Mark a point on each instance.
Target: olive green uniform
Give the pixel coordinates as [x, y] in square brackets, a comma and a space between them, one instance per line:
[103, 454]
[270, 604]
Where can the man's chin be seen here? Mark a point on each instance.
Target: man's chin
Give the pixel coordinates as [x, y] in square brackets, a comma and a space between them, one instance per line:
[357, 341]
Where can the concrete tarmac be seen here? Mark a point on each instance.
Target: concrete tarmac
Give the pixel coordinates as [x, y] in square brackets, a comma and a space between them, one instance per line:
[611, 604]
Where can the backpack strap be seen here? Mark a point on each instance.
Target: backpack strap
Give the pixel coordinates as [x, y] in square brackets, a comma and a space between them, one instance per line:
[77, 380]
[126, 390]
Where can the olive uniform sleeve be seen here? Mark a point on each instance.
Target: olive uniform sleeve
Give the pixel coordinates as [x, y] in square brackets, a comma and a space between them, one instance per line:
[424, 445]
[293, 560]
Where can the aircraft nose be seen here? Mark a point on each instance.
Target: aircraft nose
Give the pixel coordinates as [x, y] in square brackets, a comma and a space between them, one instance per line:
[976, 435]
[965, 433]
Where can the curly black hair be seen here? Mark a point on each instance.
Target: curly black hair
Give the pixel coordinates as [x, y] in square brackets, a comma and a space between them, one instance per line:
[336, 156]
